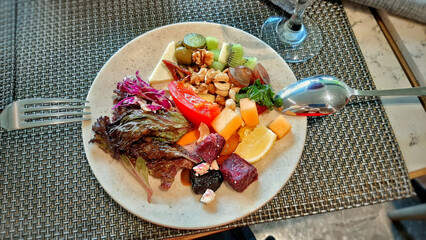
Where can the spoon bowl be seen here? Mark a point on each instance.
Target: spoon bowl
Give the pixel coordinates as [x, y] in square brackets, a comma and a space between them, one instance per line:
[324, 95]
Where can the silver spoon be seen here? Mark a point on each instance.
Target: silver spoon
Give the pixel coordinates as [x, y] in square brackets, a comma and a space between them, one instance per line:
[324, 95]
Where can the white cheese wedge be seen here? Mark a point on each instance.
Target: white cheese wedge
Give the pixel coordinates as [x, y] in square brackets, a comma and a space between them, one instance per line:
[208, 196]
[161, 76]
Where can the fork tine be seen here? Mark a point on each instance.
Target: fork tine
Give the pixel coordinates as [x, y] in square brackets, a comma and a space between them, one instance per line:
[50, 100]
[35, 109]
[56, 114]
[51, 122]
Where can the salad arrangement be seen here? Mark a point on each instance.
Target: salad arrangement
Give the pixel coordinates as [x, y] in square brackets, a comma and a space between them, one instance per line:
[210, 126]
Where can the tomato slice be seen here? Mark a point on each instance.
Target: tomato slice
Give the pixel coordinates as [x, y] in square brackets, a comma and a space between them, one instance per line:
[192, 106]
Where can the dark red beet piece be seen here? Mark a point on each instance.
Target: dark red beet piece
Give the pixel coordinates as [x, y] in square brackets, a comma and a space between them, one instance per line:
[238, 173]
[210, 147]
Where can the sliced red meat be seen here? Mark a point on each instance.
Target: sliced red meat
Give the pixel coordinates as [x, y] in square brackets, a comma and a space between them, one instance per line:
[238, 173]
[210, 147]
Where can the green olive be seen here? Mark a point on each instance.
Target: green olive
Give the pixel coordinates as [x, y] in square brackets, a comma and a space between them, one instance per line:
[183, 55]
[179, 44]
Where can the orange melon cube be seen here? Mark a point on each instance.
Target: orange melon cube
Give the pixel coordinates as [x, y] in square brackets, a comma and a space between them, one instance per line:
[280, 126]
[227, 123]
[249, 112]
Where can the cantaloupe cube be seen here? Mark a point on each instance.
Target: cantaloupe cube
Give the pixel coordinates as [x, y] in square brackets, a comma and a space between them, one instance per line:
[227, 123]
[249, 112]
[280, 126]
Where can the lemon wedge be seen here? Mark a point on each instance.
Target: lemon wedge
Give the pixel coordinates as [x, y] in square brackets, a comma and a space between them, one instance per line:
[256, 144]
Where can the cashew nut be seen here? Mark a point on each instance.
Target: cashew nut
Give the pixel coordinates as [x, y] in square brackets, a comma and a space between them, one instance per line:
[230, 103]
[222, 93]
[222, 86]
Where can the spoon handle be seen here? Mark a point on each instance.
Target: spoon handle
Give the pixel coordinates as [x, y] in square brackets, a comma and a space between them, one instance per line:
[417, 91]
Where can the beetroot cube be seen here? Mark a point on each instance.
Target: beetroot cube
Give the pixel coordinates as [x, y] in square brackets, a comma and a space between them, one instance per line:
[210, 147]
[238, 172]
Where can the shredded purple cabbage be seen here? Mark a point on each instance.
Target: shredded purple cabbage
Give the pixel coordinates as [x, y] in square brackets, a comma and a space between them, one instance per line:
[140, 93]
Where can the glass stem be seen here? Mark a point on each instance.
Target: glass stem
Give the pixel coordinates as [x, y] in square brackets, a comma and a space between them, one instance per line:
[296, 20]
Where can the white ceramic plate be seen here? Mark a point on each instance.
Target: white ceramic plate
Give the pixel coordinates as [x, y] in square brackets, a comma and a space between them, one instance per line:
[179, 207]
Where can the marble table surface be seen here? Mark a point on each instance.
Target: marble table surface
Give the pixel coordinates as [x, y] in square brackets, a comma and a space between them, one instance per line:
[410, 36]
[406, 114]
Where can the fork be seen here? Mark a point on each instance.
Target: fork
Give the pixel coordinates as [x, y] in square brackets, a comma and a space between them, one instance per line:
[28, 113]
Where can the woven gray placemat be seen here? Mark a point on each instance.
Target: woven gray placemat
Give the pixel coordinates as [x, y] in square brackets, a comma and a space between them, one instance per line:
[47, 188]
[7, 51]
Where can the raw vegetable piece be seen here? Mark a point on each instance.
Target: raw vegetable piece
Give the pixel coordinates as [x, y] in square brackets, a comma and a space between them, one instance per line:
[216, 53]
[139, 171]
[249, 113]
[134, 92]
[217, 66]
[231, 144]
[260, 93]
[250, 62]
[261, 109]
[227, 123]
[194, 41]
[210, 147]
[138, 134]
[280, 126]
[193, 107]
[238, 173]
[183, 55]
[177, 71]
[211, 43]
[211, 180]
[167, 171]
[189, 137]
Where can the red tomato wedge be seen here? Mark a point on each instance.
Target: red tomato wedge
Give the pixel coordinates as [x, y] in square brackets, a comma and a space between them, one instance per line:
[193, 107]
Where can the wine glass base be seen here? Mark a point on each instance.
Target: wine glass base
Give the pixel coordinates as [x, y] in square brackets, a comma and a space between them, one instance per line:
[292, 53]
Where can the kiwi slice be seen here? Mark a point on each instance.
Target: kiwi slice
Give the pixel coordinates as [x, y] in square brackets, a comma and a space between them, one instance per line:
[224, 53]
[216, 53]
[236, 56]
[250, 62]
[212, 43]
[217, 65]
[194, 41]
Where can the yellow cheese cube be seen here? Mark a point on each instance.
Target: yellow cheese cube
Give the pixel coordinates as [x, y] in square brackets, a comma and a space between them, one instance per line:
[280, 126]
[249, 113]
[227, 123]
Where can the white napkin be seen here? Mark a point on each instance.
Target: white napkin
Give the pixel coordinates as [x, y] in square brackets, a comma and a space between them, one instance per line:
[412, 9]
